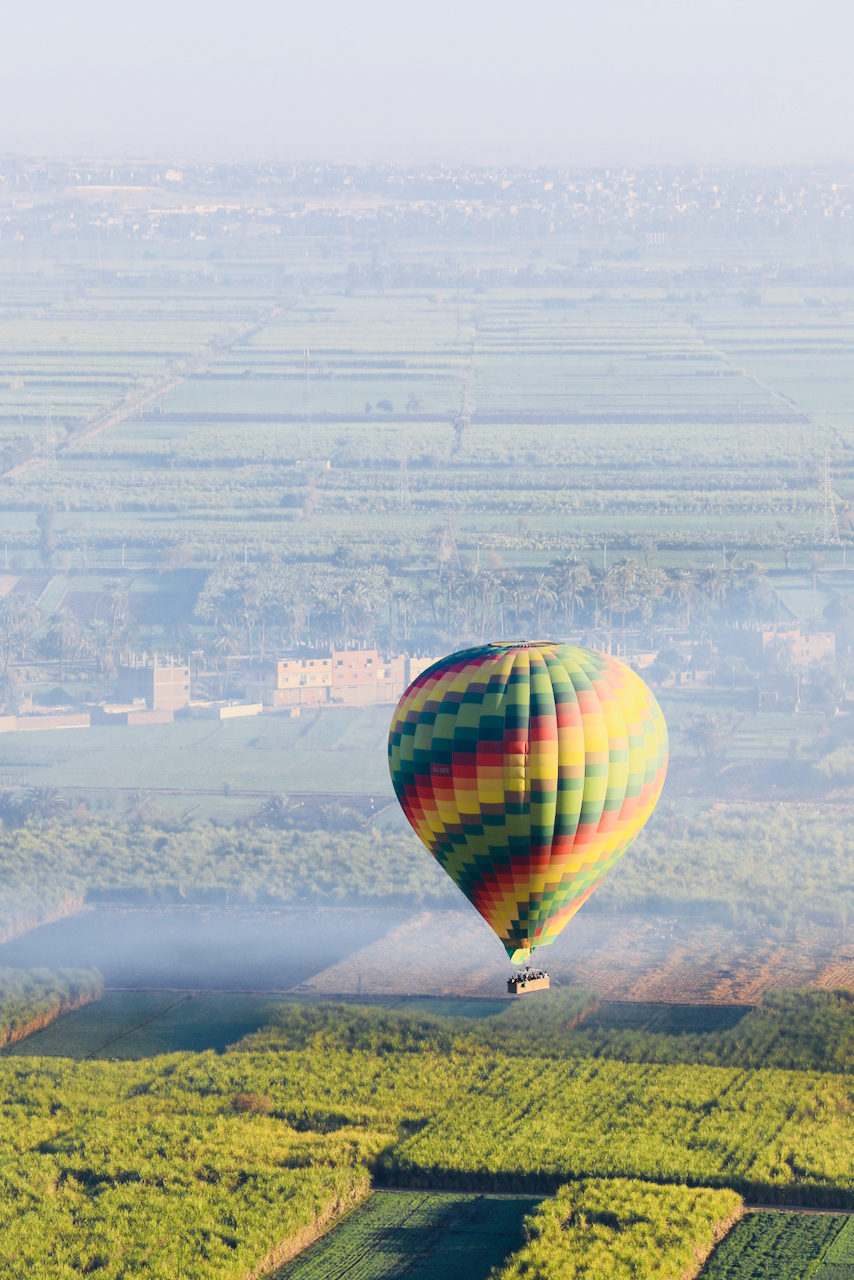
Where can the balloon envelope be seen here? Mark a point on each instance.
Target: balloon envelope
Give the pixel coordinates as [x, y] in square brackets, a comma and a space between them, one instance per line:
[527, 770]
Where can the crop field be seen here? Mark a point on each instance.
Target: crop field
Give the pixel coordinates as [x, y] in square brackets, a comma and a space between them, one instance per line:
[199, 353]
[33, 999]
[620, 1229]
[787, 1246]
[339, 750]
[772, 1135]
[259, 1147]
[143, 1024]
[423, 1237]
[132, 1025]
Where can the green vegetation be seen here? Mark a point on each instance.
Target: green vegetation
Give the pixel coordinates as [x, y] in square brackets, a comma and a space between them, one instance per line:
[530, 1124]
[837, 1261]
[796, 1030]
[48, 865]
[340, 751]
[424, 1237]
[130, 1025]
[203, 1164]
[626, 437]
[158, 1168]
[143, 1024]
[620, 1229]
[30, 999]
[786, 1246]
[747, 864]
[740, 864]
[792, 1030]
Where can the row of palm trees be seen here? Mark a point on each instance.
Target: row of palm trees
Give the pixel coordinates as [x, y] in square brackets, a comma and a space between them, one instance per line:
[249, 617]
[476, 601]
[473, 601]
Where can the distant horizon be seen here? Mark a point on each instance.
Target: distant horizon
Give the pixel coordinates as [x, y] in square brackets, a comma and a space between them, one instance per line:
[193, 161]
[665, 83]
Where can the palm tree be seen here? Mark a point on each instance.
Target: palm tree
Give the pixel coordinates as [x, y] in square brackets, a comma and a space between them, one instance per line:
[251, 602]
[16, 613]
[141, 807]
[115, 597]
[714, 583]
[275, 812]
[682, 589]
[224, 644]
[356, 610]
[87, 642]
[63, 632]
[515, 585]
[411, 602]
[43, 802]
[23, 645]
[543, 596]
[627, 576]
[607, 587]
[573, 580]
[753, 583]
[488, 587]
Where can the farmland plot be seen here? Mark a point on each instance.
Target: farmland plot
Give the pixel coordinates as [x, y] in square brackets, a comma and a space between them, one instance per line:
[422, 1237]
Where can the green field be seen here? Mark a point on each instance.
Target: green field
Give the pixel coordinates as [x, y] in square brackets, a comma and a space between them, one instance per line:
[342, 750]
[788, 1246]
[425, 1237]
[30, 999]
[133, 1025]
[204, 1164]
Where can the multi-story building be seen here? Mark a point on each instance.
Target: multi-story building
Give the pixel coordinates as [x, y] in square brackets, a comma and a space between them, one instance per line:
[801, 646]
[348, 676]
[165, 685]
[304, 677]
[354, 675]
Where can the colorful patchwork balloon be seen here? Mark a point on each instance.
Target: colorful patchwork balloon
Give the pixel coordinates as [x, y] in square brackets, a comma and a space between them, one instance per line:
[527, 770]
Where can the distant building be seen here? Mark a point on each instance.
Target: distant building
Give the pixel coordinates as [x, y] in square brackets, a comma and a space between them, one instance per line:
[304, 677]
[165, 686]
[803, 646]
[349, 676]
[354, 675]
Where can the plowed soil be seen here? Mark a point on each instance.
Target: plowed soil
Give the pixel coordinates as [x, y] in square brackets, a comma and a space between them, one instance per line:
[623, 957]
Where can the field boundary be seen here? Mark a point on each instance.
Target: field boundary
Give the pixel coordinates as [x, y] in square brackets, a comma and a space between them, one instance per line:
[330, 1217]
[45, 1019]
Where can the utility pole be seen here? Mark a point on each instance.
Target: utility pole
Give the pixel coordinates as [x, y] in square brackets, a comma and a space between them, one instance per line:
[48, 442]
[307, 442]
[826, 528]
[467, 407]
[404, 501]
[458, 301]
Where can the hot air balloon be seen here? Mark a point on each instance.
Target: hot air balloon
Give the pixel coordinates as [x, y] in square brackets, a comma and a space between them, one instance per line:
[527, 770]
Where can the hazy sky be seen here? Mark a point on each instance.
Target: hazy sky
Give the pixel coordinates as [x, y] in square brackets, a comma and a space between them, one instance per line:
[602, 82]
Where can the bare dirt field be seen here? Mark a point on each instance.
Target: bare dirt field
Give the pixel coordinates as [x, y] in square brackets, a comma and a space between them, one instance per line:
[623, 957]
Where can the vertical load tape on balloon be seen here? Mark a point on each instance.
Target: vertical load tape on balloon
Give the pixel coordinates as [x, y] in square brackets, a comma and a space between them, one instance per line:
[527, 770]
